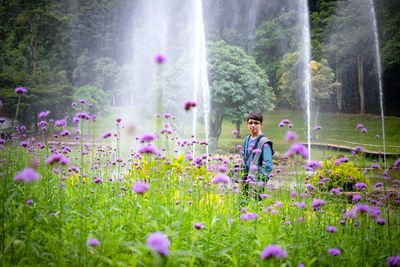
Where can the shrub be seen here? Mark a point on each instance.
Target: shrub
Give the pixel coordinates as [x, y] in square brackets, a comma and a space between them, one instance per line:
[338, 173]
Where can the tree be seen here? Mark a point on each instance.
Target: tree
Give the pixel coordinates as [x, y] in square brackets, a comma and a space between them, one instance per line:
[271, 41]
[237, 85]
[351, 38]
[323, 82]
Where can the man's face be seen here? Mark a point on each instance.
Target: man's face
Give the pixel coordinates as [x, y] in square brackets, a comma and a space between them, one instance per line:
[254, 125]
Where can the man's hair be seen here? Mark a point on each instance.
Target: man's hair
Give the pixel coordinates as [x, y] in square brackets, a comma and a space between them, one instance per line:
[255, 116]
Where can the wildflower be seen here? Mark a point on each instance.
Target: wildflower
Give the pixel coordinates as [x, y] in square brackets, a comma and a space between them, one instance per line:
[381, 221]
[61, 122]
[359, 126]
[291, 136]
[286, 121]
[21, 90]
[362, 208]
[356, 198]
[290, 125]
[397, 163]
[297, 149]
[198, 225]
[331, 229]
[42, 114]
[375, 166]
[147, 138]
[82, 115]
[378, 184]
[377, 136]
[221, 178]
[341, 160]
[140, 187]
[375, 212]
[1, 103]
[107, 134]
[76, 120]
[189, 104]
[314, 164]
[93, 242]
[160, 59]
[28, 175]
[230, 220]
[159, 242]
[235, 132]
[149, 149]
[360, 185]
[334, 251]
[273, 251]
[317, 128]
[363, 130]
[336, 191]
[393, 261]
[281, 124]
[118, 120]
[249, 216]
[288, 222]
[65, 133]
[29, 202]
[317, 204]
[58, 158]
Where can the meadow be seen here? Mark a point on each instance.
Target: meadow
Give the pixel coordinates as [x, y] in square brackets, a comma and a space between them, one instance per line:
[157, 203]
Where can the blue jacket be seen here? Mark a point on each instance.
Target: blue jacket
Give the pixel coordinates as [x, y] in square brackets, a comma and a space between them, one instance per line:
[262, 160]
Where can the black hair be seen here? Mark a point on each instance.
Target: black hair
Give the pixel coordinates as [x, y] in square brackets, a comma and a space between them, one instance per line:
[255, 116]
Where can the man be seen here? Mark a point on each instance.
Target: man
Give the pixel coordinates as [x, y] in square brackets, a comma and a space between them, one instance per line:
[257, 153]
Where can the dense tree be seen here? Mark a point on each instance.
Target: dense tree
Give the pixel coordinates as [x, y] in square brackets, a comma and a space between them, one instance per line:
[271, 41]
[237, 84]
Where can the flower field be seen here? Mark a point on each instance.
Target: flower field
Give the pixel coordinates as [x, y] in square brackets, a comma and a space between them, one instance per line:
[162, 204]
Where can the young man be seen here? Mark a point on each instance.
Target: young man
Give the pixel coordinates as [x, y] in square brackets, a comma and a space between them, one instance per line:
[257, 152]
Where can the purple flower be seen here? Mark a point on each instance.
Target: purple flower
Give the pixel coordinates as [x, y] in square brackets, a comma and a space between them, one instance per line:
[381, 221]
[281, 124]
[93, 242]
[147, 138]
[28, 175]
[331, 229]
[375, 166]
[21, 90]
[82, 115]
[107, 134]
[336, 191]
[363, 130]
[314, 164]
[160, 59]
[273, 251]
[140, 187]
[360, 185]
[1, 103]
[149, 149]
[317, 128]
[334, 251]
[235, 132]
[317, 204]
[29, 202]
[393, 261]
[65, 133]
[158, 242]
[362, 208]
[198, 225]
[291, 136]
[285, 121]
[42, 114]
[377, 136]
[61, 122]
[221, 178]
[359, 126]
[356, 198]
[341, 160]
[378, 184]
[230, 220]
[118, 120]
[297, 149]
[249, 216]
[58, 158]
[188, 105]
[290, 126]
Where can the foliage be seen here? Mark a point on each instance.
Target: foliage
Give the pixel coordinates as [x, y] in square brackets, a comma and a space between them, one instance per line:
[322, 79]
[336, 174]
[271, 41]
[237, 84]
[94, 96]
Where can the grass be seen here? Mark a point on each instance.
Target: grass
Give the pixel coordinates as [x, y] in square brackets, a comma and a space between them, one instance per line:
[71, 206]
